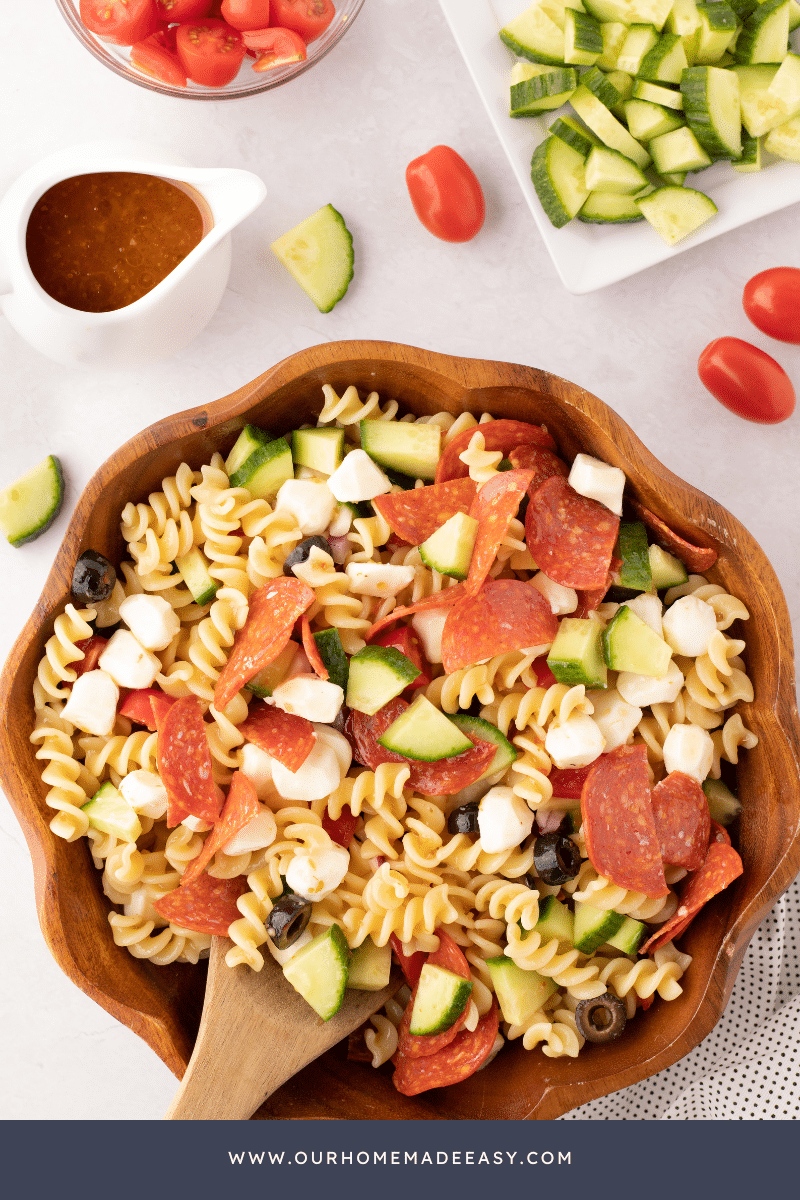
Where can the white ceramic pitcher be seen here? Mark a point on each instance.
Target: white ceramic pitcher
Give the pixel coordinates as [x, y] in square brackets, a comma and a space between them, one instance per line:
[164, 320]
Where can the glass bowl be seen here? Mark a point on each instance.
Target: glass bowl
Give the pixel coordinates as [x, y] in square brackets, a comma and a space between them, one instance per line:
[246, 83]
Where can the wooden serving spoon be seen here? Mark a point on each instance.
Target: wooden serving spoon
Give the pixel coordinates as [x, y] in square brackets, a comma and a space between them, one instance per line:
[256, 1032]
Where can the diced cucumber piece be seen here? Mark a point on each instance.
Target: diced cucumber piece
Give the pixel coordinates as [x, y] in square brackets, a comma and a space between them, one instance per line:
[628, 937]
[624, 85]
[583, 42]
[675, 212]
[594, 926]
[794, 15]
[505, 753]
[613, 34]
[666, 61]
[667, 570]
[713, 112]
[320, 449]
[558, 177]
[638, 41]
[609, 171]
[634, 551]
[319, 971]
[403, 446]
[743, 8]
[575, 135]
[657, 93]
[631, 645]
[644, 12]
[647, 121]
[785, 86]
[556, 10]
[449, 549]
[331, 651]
[609, 10]
[377, 674]
[535, 36]
[605, 208]
[423, 732]
[576, 655]
[722, 804]
[441, 998]
[193, 570]
[248, 442]
[264, 683]
[784, 142]
[678, 151]
[751, 154]
[764, 37]
[537, 88]
[601, 86]
[610, 131]
[265, 471]
[319, 254]
[761, 108]
[718, 25]
[555, 921]
[109, 812]
[519, 993]
[370, 967]
[683, 18]
[30, 505]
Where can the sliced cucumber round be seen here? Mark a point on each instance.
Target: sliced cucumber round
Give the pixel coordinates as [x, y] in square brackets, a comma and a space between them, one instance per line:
[319, 254]
[30, 505]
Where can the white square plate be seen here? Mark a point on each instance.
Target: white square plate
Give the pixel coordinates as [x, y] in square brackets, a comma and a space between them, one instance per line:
[588, 257]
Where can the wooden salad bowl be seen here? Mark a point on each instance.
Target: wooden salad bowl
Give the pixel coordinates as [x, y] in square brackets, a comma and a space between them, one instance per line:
[162, 1004]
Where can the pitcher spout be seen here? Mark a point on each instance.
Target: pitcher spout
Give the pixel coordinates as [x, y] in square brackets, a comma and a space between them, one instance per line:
[231, 195]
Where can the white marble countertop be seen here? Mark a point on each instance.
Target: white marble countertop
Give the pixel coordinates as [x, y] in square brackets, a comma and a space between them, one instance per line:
[343, 133]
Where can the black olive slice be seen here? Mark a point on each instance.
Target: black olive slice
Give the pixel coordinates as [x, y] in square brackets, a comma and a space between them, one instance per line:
[303, 549]
[602, 1019]
[287, 920]
[464, 819]
[556, 858]
[93, 578]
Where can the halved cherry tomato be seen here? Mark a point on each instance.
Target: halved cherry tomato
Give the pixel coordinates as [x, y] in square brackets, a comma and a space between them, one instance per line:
[121, 22]
[210, 52]
[154, 56]
[342, 829]
[309, 18]
[772, 302]
[246, 14]
[92, 648]
[137, 706]
[275, 47]
[746, 380]
[183, 10]
[446, 195]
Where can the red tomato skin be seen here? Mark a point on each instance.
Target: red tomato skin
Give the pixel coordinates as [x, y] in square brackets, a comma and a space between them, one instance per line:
[120, 23]
[246, 14]
[275, 47]
[446, 195]
[210, 52]
[309, 18]
[771, 300]
[746, 380]
[152, 57]
[92, 648]
[173, 11]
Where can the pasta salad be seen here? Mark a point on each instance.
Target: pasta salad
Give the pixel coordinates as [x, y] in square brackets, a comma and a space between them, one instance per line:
[413, 691]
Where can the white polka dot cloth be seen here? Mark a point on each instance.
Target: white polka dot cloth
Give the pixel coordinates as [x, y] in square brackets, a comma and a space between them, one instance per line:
[748, 1068]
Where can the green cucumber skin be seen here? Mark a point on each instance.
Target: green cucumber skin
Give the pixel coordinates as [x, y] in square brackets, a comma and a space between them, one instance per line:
[634, 551]
[549, 198]
[601, 87]
[526, 52]
[695, 83]
[32, 532]
[486, 732]
[332, 653]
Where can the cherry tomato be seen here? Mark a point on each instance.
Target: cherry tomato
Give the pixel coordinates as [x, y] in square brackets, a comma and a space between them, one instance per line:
[772, 302]
[446, 195]
[246, 14]
[746, 380]
[156, 56]
[309, 18]
[121, 22]
[210, 52]
[183, 10]
[92, 648]
[275, 47]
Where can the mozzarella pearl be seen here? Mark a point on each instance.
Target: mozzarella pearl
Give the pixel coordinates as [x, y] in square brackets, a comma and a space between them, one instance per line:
[575, 742]
[648, 608]
[309, 696]
[92, 703]
[145, 793]
[595, 479]
[358, 478]
[314, 876]
[689, 748]
[310, 503]
[614, 717]
[562, 600]
[127, 662]
[504, 820]
[689, 625]
[643, 690]
[316, 778]
[256, 834]
[378, 579]
[151, 620]
[429, 626]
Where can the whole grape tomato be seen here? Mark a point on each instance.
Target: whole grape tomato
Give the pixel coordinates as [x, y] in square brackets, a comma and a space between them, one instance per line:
[247, 14]
[446, 194]
[746, 380]
[309, 18]
[121, 22]
[772, 302]
[210, 52]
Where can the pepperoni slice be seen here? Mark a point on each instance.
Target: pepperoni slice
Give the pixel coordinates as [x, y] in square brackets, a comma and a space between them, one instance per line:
[239, 810]
[184, 764]
[445, 599]
[456, 1062]
[160, 704]
[206, 905]
[497, 435]
[312, 649]
[720, 867]
[410, 964]
[543, 463]
[271, 615]
[697, 558]
[493, 507]
[506, 614]
[719, 834]
[342, 829]
[418, 1045]
[417, 513]
[285, 736]
[591, 599]
[570, 537]
[618, 823]
[440, 778]
[683, 822]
